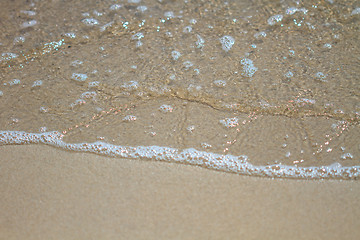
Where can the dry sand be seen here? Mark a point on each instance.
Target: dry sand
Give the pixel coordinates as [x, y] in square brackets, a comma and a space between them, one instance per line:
[48, 193]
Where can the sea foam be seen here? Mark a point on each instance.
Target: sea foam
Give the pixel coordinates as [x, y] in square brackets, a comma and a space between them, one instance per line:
[227, 163]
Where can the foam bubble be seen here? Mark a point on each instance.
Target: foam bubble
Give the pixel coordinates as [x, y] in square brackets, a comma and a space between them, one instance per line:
[129, 118]
[230, 122]
[131, 86]
[289, 74]
[76, 63]
[8, 56]
[29, 13]
[43, 109]
[115, 7]
[90, 21]
[29, 23]
[80, 77]
[188, 64]
[19, 40]
[260, 34]
[166, 108]
[137, 36]
[347, 156]
[220, 83]
[169, 14]
[193, 89]
[94, 84]
[320, 76]
[106, 26]
[78, 102]
[138, 44]
[206, 145]
[200, 41]
[37, 83]
[187, 29]
[142, 8]
[88, 95]
[14, 82]
[274, 19]
[292, 10]
[190, 128]
[303, 101]
[327, 45]
[70, 35]
[175, 55]
[193, 21]
[227, 42]
[356, 11]
[248, 67]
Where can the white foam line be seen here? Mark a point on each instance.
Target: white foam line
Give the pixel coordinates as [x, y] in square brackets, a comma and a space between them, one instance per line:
[227, 163]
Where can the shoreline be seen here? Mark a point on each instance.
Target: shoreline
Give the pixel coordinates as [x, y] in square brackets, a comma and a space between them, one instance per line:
[53, 193]
[190, 156]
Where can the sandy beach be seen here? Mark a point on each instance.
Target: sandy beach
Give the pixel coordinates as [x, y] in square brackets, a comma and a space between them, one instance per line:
[260, 87]
[49, 193]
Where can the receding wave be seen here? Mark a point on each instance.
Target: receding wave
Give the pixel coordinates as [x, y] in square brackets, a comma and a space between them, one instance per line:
[191, 156]
[257, 87]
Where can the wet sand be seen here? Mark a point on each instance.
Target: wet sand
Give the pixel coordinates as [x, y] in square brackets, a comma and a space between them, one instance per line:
[49, 193]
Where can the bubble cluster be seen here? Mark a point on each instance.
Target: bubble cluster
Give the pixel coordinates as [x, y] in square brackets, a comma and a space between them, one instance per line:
[175, 55]
[166, 108]
[248, 67]
[230, 122]
[227, 42]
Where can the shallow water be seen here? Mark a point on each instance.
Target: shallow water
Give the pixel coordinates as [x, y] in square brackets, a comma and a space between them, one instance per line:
[254, 87]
